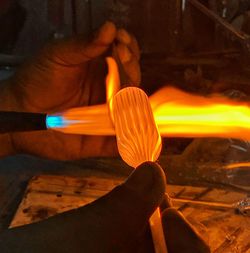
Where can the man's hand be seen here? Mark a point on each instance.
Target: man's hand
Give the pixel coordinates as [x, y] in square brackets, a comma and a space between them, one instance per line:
[117, 222]
[65, 74]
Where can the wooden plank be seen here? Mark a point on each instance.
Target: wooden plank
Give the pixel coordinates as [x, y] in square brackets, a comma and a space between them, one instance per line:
[48, 195]
[224, 230]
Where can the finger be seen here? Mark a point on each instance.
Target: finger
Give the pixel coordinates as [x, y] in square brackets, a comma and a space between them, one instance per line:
[166, 203]
[110, 224]
[130, 64]
[76, 50]
[123, 36]
[130, 41]
[132, 68]
[180, 235]
[129, 53]
[124, 53]
[134, 47]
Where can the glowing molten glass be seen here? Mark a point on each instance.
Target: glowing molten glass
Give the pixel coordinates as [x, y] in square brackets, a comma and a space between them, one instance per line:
[137, 135]
[138, 141]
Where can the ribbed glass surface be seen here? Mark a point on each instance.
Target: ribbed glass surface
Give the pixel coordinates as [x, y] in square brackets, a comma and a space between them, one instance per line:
[137, 134]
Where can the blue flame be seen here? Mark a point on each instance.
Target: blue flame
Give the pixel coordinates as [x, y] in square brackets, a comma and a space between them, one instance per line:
[58, 121]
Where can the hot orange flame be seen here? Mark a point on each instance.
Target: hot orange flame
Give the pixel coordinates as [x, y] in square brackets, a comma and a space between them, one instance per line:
[181, 114]
[177, 114]
[112, 79]
[90, 120]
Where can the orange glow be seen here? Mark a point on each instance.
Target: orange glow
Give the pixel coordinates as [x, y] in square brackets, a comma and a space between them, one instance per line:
[89, 120]
[93, 120]
[112, 79]
[181, 114]
[176, 113]
[237, 165]
[138, 139]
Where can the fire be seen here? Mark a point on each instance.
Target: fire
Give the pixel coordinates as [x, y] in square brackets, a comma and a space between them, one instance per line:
[177, 114]
[89, 120]
[112, 80]
[180, 114]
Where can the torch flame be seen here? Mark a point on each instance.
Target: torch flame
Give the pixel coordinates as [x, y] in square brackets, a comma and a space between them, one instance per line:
[112, 79]
[177, 114]
[181, 114]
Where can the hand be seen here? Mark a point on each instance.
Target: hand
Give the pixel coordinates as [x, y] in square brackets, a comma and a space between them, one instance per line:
[117, 222]
[65, 74]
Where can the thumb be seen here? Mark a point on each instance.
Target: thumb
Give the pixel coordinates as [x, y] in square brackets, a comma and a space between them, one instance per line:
[77, 50]
[109, 224]
[125, 210]
[180, 235]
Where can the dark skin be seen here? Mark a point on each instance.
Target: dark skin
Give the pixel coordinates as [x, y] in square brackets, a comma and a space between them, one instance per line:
[67, 74]
[117, 222]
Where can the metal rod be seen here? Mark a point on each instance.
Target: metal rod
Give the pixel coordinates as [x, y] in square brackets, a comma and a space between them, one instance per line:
[242, 206]
[242, 37]
[21, 121]
[203, 203]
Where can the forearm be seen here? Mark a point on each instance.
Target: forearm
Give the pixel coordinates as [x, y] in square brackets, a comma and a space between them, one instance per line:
[7, 103]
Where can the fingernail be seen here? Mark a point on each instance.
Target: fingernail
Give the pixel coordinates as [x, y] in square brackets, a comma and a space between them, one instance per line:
[132, 69]
[106, 32]
[124, 53]
[107, 25]
[123, 36]
[166, 203]
[148, 180]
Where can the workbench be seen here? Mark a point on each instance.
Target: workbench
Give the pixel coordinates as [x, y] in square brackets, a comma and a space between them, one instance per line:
[32, 189]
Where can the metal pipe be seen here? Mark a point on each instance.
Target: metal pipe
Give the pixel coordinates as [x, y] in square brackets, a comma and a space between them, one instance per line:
[11, 121]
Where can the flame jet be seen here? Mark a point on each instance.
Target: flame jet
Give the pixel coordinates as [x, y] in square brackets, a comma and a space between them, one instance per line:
[177, 114]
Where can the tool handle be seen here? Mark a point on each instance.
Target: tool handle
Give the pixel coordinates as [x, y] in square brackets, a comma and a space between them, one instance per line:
[11, 121]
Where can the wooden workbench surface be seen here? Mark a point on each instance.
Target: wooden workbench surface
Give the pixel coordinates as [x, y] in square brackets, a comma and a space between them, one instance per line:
[32, 189]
